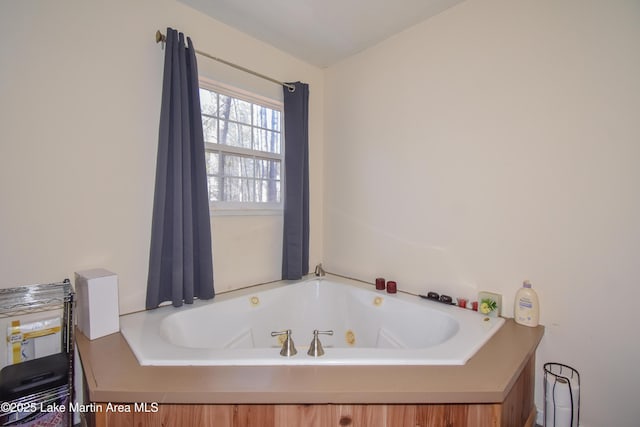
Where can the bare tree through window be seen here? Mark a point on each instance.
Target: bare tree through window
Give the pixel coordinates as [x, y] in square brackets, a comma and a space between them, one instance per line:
[243, 146]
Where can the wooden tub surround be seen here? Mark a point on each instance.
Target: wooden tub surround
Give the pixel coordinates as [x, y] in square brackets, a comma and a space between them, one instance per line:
[494, 388]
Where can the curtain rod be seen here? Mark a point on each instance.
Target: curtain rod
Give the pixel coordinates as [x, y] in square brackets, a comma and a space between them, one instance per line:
[162, 38]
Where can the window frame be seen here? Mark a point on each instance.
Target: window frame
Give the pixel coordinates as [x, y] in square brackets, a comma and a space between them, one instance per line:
[222, 208]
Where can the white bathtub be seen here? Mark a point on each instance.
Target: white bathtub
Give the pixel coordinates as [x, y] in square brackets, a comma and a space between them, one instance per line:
[370, 328]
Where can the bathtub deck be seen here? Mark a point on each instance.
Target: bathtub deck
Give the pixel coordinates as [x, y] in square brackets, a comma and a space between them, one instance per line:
[114, 375]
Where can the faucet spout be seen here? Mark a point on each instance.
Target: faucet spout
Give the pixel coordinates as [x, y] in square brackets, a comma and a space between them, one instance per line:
[319, 271]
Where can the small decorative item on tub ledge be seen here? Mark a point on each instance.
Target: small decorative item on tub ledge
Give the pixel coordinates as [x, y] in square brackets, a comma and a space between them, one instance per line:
[490, 304]
[392, 287]
[487, 305]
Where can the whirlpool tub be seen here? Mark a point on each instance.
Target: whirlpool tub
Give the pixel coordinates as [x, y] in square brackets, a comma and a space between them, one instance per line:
[369, 328]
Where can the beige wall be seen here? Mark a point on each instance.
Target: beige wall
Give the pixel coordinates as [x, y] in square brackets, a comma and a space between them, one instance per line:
[496, 142]
[80, 87]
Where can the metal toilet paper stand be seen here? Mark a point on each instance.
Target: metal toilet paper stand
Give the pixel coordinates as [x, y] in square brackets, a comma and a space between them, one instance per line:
[561, 396]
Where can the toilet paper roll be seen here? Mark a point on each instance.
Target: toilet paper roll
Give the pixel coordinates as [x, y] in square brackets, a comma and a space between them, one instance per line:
[558, 408]
[559, 392]
[562, 418]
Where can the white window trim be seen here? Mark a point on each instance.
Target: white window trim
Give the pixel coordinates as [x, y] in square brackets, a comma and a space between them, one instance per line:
[248, 208]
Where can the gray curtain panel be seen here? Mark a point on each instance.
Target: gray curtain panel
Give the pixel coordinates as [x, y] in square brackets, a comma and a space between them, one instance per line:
[295, 242]
[180, 259]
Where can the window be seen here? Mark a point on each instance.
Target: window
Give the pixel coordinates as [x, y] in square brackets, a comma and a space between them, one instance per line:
[244, 148]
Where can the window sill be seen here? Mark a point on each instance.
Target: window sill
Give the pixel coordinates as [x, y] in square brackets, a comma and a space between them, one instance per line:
[245, 212]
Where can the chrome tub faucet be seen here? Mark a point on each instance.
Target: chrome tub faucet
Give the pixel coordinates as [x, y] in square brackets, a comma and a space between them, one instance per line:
[315, 348]
[288, 348]
[319, 271]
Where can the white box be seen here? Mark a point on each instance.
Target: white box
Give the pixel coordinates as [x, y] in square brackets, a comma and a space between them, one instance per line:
[97, 306]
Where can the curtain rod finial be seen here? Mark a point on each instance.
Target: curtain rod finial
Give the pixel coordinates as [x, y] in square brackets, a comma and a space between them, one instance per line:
[159, 37]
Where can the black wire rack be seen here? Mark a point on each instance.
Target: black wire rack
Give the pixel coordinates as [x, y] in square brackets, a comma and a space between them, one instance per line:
[24, 300]
[561, 395]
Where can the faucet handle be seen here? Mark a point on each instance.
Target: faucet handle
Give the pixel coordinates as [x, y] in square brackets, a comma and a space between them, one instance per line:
[315, 348]
[288, 348]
